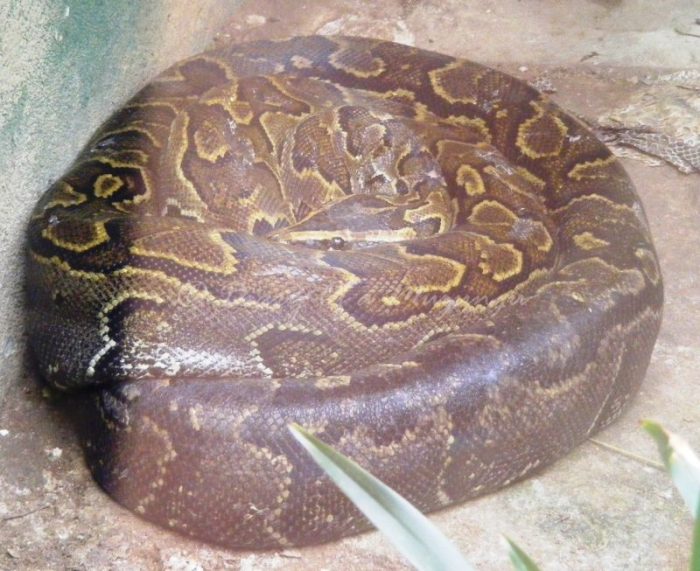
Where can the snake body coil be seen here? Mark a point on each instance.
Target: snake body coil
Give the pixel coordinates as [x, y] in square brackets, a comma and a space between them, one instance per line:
[420, 259]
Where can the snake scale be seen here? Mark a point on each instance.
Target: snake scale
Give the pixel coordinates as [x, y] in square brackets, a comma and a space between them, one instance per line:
[420, 259]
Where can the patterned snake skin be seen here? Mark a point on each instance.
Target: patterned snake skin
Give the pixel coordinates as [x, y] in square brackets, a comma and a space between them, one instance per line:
[420, 259]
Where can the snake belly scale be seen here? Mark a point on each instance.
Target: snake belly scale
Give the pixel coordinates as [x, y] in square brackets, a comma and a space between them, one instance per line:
[422, 260]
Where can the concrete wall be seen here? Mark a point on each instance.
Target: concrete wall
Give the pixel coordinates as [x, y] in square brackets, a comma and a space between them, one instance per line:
[64, 66]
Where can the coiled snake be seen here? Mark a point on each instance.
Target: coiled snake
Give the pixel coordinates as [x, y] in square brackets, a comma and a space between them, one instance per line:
[420, 259]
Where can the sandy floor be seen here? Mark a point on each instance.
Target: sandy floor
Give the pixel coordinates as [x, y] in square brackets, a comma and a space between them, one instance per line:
[596, 509]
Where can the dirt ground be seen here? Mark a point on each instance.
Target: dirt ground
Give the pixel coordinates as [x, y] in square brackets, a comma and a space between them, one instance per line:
[605, 506]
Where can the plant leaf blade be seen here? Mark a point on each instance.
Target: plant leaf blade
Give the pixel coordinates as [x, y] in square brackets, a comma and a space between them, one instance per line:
[681, 462]
[408, 529]
[695, 550]
[519, 558]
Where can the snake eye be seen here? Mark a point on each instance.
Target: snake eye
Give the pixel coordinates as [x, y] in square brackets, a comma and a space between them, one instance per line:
[337, 243]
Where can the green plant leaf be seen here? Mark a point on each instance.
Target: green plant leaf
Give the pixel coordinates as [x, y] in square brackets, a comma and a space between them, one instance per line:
[695, 552]
[519, 558]
[408, 529]
[681, 462]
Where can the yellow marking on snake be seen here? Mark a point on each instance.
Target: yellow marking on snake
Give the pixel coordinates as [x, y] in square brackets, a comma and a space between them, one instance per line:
[588, 241]
[438, 78]
[227, 266]
[106, 185]
[526, 139]
[99, 232]
[66, 196]
[469, 178]
[591, 169]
